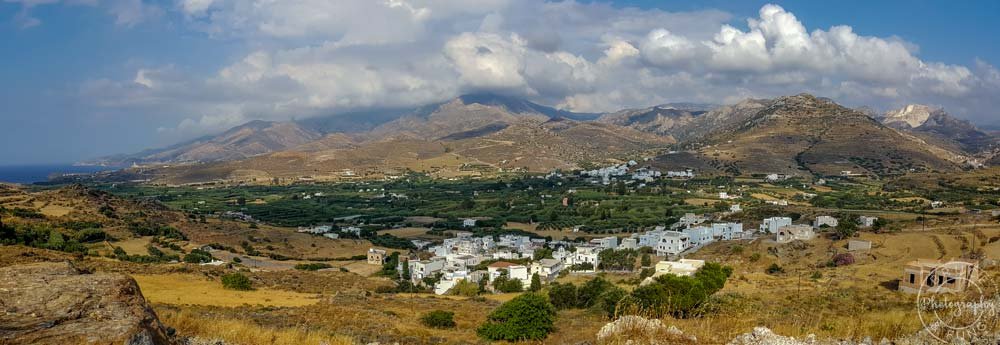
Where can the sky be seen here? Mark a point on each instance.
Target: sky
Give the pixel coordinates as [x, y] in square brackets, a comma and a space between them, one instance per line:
[81, 79]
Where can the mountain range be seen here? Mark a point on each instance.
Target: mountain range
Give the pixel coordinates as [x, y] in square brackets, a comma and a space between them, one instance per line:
[484, 133]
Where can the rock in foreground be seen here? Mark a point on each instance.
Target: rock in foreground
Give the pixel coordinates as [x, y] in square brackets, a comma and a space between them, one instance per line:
[53, 303]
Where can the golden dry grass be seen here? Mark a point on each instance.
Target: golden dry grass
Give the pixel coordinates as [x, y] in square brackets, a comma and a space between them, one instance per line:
[408, 232]
[762, 196]
[187, 289]
[700, 202]
[239, 332]
[133, 246]
[55, 210]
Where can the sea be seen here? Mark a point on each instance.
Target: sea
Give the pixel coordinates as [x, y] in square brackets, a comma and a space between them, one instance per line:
[28, 174]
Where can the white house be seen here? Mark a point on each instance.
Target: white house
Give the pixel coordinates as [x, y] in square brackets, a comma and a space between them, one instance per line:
[547, 269]
[629, 243]
[682, 267]
[672, 243]
[866, 221]
[689, 219]
[699, 235]
[514, 271]
[449, 279]
[587, 254]
[790, 233]
[828, 221]
[468, 223]
[771, 225]
[609, 242]
[727, 231]
[735, 208]
[420, 269]
[650, 238]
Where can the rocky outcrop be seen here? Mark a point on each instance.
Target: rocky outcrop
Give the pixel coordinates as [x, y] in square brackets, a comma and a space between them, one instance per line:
[54, 303]
[637, 330]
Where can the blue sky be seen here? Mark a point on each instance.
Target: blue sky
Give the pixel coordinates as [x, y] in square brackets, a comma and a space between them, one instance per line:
[85, 78]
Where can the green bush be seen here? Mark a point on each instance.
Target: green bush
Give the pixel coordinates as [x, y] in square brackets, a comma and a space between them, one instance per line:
[527, 317]
[536, 283]
[198, 256]
[774, 269]
[312, 266]
[587, 295]
[680, 296]
[439, 319]
[562, 296]
[237, 281]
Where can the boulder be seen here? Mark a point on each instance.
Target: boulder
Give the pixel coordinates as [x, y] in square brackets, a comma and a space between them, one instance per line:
[54, 303]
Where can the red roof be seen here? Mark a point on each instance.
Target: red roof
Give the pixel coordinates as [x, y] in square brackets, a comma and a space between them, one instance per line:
[501, 264]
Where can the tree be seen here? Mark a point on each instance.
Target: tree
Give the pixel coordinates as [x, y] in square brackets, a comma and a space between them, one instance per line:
[468, 204]
[646, 260]
[56, 240]
[619, 260]
[563, 296]
[680, 296]
[612, 301]
[406, 270]
[237, 281]
[536, 283]
[198, 256]
[438, 319]
[846, 228]
[526, 317]
[586, 295]
[465, 288]
[542, 253]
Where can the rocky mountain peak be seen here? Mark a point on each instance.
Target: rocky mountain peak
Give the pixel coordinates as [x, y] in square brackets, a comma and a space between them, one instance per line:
[910, 116]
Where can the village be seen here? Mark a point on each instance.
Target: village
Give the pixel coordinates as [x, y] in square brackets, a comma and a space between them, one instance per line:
[482, 260]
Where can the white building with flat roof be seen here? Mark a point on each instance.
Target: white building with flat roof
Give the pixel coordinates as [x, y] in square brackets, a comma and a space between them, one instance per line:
[727, 231]
[699, 235]
[798, 232]
[771, 225]
[866, 221]
[672, 243]
[682, 267]
[828, 221]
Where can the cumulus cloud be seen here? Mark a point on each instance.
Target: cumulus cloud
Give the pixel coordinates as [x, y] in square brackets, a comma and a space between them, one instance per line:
[315, 57]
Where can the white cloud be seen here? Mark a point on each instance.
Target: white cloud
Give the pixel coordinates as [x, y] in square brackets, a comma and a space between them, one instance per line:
[312, 57]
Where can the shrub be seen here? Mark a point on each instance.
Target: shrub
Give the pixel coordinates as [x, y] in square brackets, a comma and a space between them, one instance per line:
[465, 288]
[312, 266]
[754, 257]
[91, 235]
[198, 256]
[237, 281]
[587, 295]
[526, 317]
[681, 296]
[439, 319]
[536, 283]
[774, 269]
[843, 259]
[612, 299]
[562, 296]
[504, 284]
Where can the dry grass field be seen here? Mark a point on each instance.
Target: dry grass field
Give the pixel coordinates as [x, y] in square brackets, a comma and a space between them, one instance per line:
[187, 289]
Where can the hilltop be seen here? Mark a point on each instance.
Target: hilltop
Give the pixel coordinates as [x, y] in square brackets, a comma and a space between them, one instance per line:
[807, 135]
[486, 134]
[936, 125]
